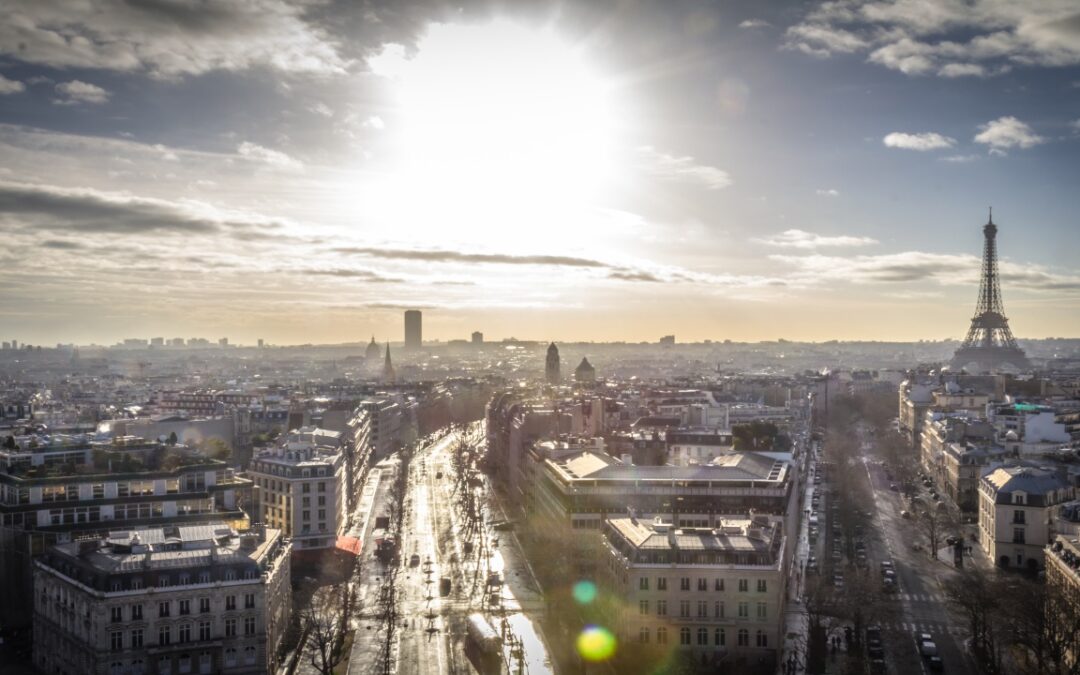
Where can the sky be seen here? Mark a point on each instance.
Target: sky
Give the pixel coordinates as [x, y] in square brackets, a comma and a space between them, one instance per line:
[580, 170]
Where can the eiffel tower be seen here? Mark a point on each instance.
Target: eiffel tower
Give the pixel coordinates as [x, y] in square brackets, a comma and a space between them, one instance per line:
[990, 345]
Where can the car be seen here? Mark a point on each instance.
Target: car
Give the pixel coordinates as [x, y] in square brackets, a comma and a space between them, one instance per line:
[877, 665]
[414, 560]
[875, 651]
[889, 574]
[811, 560]
[886, 565]
[905, 514]
[888, 585]
[873, 634]
[838, 580]
[894, 487]
[928, 648]
[837, 556]
[952, 540]
[934, 663]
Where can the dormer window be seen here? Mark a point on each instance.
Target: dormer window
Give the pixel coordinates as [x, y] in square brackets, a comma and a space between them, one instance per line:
[1019, 498]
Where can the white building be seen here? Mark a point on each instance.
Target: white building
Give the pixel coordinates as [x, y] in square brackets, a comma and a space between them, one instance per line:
[1016, 504]
[698, 445]
[172, 600]
[301, 487]
[717, 593]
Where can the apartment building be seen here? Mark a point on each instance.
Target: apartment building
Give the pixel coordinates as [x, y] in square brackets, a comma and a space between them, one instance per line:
[302, 483]
[164, 601]
[1015, 511]
[717, 593]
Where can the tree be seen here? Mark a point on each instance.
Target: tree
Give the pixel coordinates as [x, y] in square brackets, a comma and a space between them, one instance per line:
[936, 520]
[9, 443]
[324, 620]
[979, 597]
[1045, 623]
[172, 438]
[217, 449]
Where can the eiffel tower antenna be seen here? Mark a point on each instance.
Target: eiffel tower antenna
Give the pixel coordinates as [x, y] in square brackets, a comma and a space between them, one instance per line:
[989, 344]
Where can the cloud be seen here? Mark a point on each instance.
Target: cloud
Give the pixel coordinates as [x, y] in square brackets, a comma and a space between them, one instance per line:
[321, 109]
[960, 159]
[809, 240]
[374, 122]
[446, 256]
[682, 169]
[922, 142]
[77, 91]
[168, 39]
[59, 209]
[1007, 132]
[947, 38]
[755, 23]
[10, 86]
[275, 158]
[365, 275]
[635, 276]
[62, 245]
[830, 192]
[917, 266]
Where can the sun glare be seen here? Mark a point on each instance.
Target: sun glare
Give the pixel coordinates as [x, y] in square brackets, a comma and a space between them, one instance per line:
[500, 124]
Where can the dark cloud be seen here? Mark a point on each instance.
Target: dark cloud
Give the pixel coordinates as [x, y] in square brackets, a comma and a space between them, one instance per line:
[437, 255]
[365, 275]
[635, 276]
[62, 245]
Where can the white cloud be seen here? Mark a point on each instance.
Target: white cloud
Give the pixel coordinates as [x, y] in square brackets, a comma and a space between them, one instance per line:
[922, 142]
[10, 86]
[321, 109]
[961, 159]
[77, 91]
[684, 168]
[755, 23]
[374, 122]
[1076, 126]
[274, 158]
[949, 38]
[809, 240]
[1007, 132]
[830, 192]
[167, 39]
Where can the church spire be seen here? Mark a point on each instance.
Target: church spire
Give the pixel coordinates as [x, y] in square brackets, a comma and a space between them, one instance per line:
[388, 375]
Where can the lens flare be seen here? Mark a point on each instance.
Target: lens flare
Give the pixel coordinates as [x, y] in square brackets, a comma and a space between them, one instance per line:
[584, 592]
[596, 644]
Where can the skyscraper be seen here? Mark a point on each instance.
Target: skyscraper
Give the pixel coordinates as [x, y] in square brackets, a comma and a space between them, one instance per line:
[551, 366]
[413, 329]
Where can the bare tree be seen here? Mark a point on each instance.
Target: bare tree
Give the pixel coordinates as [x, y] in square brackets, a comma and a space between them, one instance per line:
[979, 598]
[936, 520]
[324, 620]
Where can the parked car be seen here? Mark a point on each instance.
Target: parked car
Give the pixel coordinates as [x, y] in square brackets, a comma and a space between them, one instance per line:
[414, 560]
[886, 565]
[905, 514]
[894, 487]
[934, 663]
[838, 580]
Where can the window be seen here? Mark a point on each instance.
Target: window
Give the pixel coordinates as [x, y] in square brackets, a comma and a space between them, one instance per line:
[185, 632]
[322, 486]
[230, 628]
[661, 584]
[116, 668]
[684, 584]
[163, 581]
[137, 638]
[744, 610]
[719, 585]
[306, 515]
[702, 609]
[230, 657]
[643, 584]
[703, 636]
[164, 666]
[703, 584]
[185, 607]
[137, 667]
[183, 664]
[185, 579]
[661, 635]
[684, 636]
[307, 487]
[136, 612]
[204, 577]
[249, 601]
[762, 585]
[684, 608]
[322, 501]
[307, 501]
[1018, 535]
[164, 635]
[249, 625]
[718, 609]
[116, 641]
[163, 609]
[762, 639]
[643, 607]
[761, 610]
[204, 605]
[206, 662]
[643, 635]
[204, 630]
[661, 608]
[230, 602]
[719, 637]
[1018, 517]
[744, 637]
[116, 614]
[322, 514]
[744, 585]
[249, 655]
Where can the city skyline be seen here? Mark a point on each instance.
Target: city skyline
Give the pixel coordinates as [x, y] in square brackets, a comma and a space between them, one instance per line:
[749, 172]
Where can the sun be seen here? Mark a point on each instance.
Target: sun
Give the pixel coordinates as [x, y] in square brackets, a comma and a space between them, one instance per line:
[501, 127]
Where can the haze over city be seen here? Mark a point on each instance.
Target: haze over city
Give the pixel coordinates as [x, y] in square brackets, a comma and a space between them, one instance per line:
[599, 171]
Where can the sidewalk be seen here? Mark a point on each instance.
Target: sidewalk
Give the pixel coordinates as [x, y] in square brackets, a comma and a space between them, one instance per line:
[796, 624]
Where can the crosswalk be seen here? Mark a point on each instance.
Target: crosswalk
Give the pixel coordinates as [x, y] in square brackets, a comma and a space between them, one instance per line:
[932, 627]
[919, 597]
